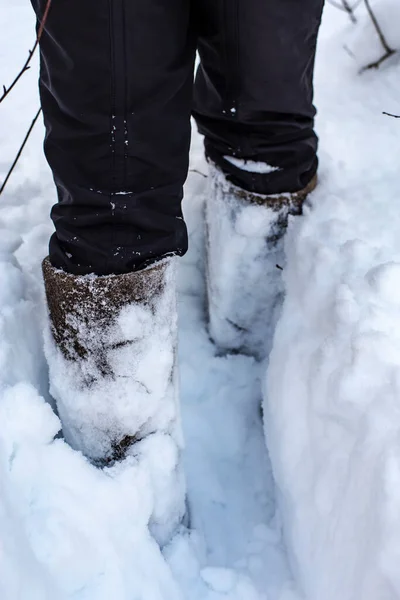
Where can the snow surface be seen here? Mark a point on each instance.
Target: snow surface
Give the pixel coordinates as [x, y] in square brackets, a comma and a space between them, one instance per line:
[251, 166]
[332, 394]
[70, 531]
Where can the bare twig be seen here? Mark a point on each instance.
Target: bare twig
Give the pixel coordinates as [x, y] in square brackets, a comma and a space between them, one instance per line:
[349, 52]
[388, 50]
[350, 11]
[27, 66]
[346, 7]
[198, 172]
[390, 115]
[20, 151]
[377, 63]
[377, 27]
[6, 91]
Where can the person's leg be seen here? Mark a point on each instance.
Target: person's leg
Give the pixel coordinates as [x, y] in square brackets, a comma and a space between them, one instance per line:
[116, 90]
[254, 90]
[253, 104]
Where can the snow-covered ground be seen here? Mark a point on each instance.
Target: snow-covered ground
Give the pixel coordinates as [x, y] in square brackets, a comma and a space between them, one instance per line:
[333, 388]
[70, 531]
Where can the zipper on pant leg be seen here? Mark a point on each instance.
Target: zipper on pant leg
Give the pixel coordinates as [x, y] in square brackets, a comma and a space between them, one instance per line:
[119, 127]
[230, 27]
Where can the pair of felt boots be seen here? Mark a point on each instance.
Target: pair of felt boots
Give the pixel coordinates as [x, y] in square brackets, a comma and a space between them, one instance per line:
[112, 350]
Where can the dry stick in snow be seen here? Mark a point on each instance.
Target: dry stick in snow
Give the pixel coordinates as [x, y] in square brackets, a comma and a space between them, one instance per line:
[7, 91]
[346, 7]
[27, 66]
[388, 50]
[350, 11]
[198, 172]
[20, 151]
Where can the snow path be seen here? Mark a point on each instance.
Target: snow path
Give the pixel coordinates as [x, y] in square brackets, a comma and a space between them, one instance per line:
[69, 531]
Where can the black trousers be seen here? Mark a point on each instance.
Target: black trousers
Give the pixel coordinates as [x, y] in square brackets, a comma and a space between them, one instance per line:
[116, 84]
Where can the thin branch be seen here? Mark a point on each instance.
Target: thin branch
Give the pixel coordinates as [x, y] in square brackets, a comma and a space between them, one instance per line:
[44, 19]
[20, 151]
[349, 52]
[346, 7]
[379, 31]
[388, 50]
[390, 115]
[26, 66]
[198, 172]
[377, 63]
[350, 11]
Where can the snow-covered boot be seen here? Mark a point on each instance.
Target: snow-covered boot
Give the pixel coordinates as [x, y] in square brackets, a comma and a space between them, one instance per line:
[111, 349]
[245, 258]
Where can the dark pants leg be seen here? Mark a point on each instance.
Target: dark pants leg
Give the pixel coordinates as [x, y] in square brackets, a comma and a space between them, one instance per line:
[116, 89]
[253, 92]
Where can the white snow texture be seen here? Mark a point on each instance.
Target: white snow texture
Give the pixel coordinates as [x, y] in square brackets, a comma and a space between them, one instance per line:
[70, 531]
[139, 400]
[244, 273]
[332, 410]
[251, 166]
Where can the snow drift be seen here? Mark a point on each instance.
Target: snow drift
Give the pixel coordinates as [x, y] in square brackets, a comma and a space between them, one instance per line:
[332, 396]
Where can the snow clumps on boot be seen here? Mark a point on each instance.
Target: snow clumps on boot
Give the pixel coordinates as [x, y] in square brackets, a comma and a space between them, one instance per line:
[111, 349]
[245, 258]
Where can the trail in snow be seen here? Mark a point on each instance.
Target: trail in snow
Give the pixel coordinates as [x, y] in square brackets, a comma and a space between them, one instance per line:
[69, 531]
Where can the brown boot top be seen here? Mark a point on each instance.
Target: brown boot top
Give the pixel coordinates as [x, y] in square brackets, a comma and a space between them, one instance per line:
[91, 302]
[292, 201]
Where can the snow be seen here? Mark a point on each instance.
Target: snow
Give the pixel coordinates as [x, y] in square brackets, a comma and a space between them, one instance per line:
[71, 531]
[251, 166]
[332, 390]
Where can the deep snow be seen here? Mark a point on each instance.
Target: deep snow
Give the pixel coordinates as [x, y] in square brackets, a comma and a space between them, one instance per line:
[332, 392]
[70, 531]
